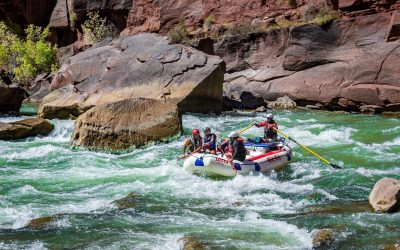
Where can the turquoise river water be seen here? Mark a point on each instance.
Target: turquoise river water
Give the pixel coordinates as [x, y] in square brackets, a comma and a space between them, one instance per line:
[45, 176]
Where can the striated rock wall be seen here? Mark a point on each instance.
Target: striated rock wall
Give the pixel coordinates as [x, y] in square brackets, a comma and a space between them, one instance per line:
[345, 64]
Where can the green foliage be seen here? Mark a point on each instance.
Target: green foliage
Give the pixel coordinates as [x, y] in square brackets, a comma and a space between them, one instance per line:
[179, 34]
[27, 57]
[35, 55]
[72, 21]
[325, 15]
[8, 40]
[319, 15]
[210, 20]
[95, 28]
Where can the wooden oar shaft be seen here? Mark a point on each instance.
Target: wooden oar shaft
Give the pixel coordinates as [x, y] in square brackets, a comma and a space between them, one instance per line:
[306, 148]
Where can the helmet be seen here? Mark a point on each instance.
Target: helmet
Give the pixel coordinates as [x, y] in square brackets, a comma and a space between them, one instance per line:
[270, 116]
[195, 131]
[233, 135]
[207, 129]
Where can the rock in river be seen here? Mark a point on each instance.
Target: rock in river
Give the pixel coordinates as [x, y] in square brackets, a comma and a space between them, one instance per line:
[11, 97]
[385, 196]
[25, 128]
[121, 124]
[145, 65]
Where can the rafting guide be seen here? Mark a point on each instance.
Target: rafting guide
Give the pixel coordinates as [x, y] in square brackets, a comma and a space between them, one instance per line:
[270, 135]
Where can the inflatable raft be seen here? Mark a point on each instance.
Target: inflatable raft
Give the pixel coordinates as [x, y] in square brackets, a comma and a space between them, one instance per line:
[263, 157]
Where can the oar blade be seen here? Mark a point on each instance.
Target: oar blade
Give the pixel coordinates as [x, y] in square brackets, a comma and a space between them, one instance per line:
[336, 166]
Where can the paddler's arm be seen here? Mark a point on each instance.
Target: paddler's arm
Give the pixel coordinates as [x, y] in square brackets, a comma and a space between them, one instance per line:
[185, 145]
[260, 124]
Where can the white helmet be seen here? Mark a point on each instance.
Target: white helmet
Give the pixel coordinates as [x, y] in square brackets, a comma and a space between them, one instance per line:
[233, 135]
[270, 116]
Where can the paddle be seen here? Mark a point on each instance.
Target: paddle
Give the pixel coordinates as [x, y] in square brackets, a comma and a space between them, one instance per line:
[244, 129]
[309, 150]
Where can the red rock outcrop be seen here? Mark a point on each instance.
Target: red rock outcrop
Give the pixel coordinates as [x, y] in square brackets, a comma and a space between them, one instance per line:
[347, 60]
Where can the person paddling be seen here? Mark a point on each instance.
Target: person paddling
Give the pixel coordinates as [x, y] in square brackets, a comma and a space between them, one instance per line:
[236, 148]
[270, 134]
[210, 141]
[194, 143]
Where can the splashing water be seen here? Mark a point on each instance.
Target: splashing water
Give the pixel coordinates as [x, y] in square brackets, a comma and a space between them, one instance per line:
[45, 176]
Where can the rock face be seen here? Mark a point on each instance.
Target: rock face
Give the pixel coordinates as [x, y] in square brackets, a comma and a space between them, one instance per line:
[11, 97]
[39, 88]
[122, 124]
[145, 65]
[343, 65]
[385, 196]
[25, 128]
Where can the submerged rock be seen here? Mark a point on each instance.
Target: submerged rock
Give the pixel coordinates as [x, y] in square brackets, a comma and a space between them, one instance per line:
[323, 238]
[126, 123]
[129, 201]
[40, 223]
[25, 128]
[353, 207]
[191, 243]
[393, 247]
[141, 66]
[284, 102]
[385, 196]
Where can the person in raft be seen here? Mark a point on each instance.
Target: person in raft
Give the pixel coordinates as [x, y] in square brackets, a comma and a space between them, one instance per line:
[194, 143]
[270, 134]
[210, 141]
[235, 147]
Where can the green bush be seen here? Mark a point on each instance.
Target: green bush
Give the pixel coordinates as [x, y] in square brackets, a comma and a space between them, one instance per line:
[27, 57]
[179, 34]
[72, 21]
[210, 20]
[8, 40]
[96, 29]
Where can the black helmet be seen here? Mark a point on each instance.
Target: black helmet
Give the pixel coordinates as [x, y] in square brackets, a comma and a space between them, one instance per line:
[207, 129]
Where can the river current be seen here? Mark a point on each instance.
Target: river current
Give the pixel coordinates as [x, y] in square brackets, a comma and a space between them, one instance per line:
[45, 176]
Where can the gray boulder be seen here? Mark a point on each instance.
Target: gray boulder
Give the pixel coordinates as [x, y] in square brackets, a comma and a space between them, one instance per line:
[126, 123]
[145, 65]
[25, 128]
[385, 196]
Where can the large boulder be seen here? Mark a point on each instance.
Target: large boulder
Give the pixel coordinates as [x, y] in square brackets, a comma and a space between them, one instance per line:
[282, 103]
[127, 123]
[11, 97]
[145, 65]
[345, 59]
[385, 196]
[25, 128]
